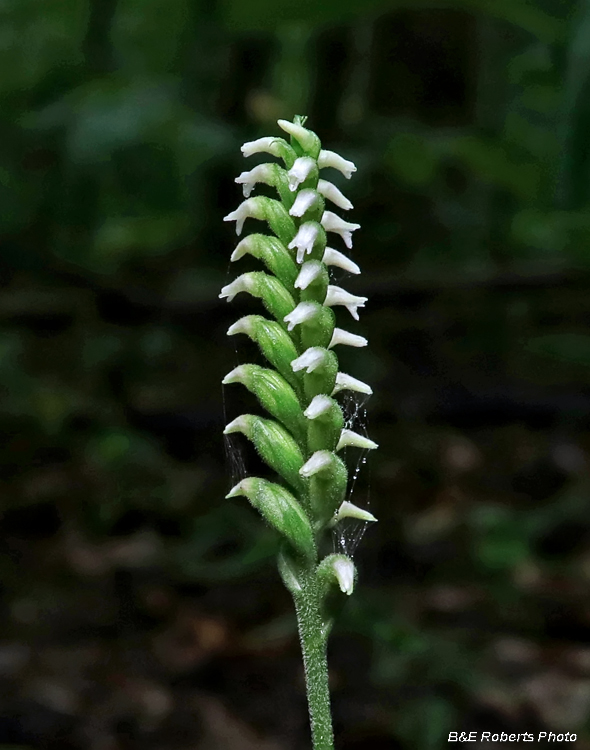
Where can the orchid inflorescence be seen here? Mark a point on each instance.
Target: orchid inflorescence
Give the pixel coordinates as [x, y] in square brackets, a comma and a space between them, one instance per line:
[302, 440]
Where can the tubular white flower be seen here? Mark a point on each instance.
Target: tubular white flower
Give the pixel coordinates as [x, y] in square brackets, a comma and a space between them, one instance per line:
[267, 145]
[332, 193]
[335, 258]
[243, 325]
[318, 461]
[346, 382]
[308, 274]
[237, 375]
[243, 283]
[332, 159]
[344, 571]
[333, 223]
[303, 202]
[242, 248]
[239, 424]
[338, 296]
[310, 360]
[245, 210]
[302, 313]
[319, 405]
[348, 339]
[353, 439]
[349, 510]
[300, 171]
[304, 239]
[262, 173]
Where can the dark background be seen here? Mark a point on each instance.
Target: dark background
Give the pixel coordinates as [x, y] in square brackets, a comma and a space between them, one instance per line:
[139, 609]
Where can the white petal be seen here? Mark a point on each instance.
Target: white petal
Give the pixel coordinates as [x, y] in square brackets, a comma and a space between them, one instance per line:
[243, 211]
[242, 248]
[266, 145]
[344, 571]
[243, 283]
[262, 173]
[319, 405]
[300, 171]
[309, 273]
[331, 192]
[353, 439]
[338, 296]
[333, 223]
[304, 239]
[318, 461]
[239, 424]
[346, 382]
[237, 375]
[348, 510]
[243, 325]
[302, 313]
[348, 339]
[334, 258]
[303, 135]
[332, 159]
[310, 360]
[304, 201]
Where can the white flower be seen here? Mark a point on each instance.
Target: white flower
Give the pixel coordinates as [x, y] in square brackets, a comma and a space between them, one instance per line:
[348, 437]
[338, 296]
[304, 239]
[245, 325]
[310, 360]
[304, 201]
[308, 274]
[344, 571]
[318, 461]
[346, 382]
[237, 375]
[244, 283]
[319, 405]
[300, 171]
[349, 510]
[245, 210]
[267, 145]
[332, 159]
[333, 223]
[331, 192]
[265, 173]
[334, 258]
[302, 313]
[348, 339]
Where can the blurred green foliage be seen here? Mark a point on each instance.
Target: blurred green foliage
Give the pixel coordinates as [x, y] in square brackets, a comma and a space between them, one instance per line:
[120, 129]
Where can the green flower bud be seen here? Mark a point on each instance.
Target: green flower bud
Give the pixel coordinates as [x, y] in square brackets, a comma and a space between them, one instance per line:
[274, 342]
[325, 423]
[274, 444]
[269, 289]
[281, 510]
[273, 254]
[275, 395]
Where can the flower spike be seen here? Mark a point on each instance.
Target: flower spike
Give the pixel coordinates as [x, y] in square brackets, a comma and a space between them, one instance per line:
[304, 424]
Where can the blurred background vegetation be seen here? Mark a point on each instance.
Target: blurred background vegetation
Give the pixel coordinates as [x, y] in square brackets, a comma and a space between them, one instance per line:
[141, 610]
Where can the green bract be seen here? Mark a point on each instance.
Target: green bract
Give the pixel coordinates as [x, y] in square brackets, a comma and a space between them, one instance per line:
[301, 440]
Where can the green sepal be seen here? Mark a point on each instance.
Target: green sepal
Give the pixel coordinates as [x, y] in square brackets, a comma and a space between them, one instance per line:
[323, 432]
[290, 570]
[273, 254]
[275, 395]
[280, 510]
[274, 445]
[276, 216]
[323, 379]
[318, 330]
[327, 488]
[316, 290]
[274, 342]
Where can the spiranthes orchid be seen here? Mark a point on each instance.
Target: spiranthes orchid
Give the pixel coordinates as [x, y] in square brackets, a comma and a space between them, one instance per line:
[302, 439]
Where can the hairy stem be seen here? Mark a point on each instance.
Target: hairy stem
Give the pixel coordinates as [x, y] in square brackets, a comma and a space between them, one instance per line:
[314, 648]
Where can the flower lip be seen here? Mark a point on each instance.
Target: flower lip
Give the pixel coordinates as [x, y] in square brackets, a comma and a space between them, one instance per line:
[304, 201]
[331, 192]
[305, 239]
[333, 223]
[300, 171]
[346, 382]
[338, 296]
[301, 314]
[335, 258]
[310, 360]
[332, 159]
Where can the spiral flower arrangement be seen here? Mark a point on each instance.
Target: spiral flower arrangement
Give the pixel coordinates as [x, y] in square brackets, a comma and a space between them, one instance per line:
[305, 432]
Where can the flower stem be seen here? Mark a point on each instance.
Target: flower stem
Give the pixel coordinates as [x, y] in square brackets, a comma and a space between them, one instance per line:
[313, 638]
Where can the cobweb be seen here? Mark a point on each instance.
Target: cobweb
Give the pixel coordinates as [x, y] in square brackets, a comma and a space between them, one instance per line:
[347, 534]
